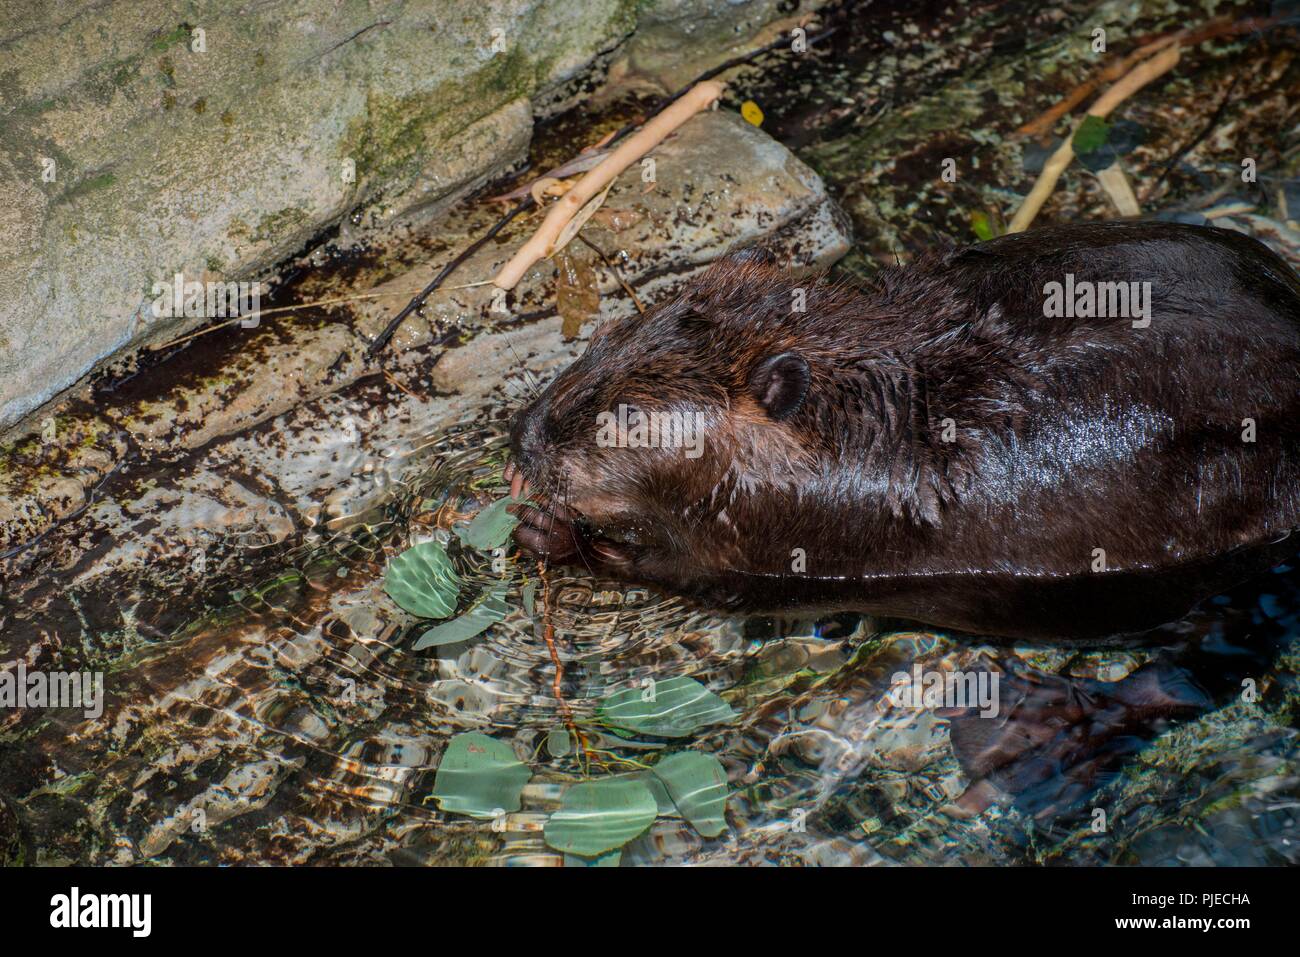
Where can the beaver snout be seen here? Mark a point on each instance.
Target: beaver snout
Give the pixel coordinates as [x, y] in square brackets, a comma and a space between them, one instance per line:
[547, 529]
[527, 443]
[526, 433]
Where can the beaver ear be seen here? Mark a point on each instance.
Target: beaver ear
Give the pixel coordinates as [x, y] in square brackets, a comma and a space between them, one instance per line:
[780, 383]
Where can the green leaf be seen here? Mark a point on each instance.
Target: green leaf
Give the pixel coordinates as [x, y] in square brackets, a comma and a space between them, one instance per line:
[422, 581]
[697, 784]
[676, 709]
[981, 226]
[558, 742]
[1091, 135]
[605, 860]
[1122, 137]
[489, 608]
[479, 776]
[491, 527]
[598, 816]
[663, 801]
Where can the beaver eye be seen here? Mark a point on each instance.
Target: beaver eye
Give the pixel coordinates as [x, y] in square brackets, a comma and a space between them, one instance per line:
[619, 535]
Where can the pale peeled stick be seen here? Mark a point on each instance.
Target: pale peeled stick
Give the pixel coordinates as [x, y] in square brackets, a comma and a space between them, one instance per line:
[697, 98]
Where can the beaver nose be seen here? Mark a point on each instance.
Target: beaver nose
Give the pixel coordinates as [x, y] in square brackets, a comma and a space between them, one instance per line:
[526, 433]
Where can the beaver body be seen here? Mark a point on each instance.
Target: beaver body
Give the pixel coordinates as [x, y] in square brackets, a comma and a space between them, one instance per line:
[1068, 433]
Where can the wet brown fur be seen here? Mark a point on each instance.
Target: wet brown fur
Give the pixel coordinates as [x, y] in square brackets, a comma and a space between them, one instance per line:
[1071, 434]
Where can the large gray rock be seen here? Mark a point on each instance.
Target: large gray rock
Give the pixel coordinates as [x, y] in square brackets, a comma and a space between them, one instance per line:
[132, 146]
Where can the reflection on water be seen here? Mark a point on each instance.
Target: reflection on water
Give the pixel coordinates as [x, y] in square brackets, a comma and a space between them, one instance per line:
[295, 725]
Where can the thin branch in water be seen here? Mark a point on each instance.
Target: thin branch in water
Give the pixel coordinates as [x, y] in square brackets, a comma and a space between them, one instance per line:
[1194, 142]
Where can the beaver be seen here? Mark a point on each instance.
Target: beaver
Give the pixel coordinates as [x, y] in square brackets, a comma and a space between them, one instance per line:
[1074, 432]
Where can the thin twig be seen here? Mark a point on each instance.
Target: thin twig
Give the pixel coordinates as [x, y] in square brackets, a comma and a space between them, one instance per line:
[1133, 81]
[572, 206]
[615, 270]
[393, 382]
[779, 44]
[1186, 37]
[381, 340]
[1194, 142]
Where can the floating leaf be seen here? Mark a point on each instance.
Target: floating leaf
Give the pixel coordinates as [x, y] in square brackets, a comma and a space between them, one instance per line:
[697, 784]
[751, 112]
[1091, 134]
[529, 596]
[662, 798]
[479, 776]
[491, 527]
[672, 708]
[604, 860]
[489, 608]
[558, 742]
[598, 816]
[422, 581]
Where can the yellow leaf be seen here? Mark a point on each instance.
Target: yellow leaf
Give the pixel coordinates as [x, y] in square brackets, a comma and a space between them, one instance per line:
[752, 114]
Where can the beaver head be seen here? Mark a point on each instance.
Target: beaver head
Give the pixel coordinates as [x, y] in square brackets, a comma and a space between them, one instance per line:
[673, 449]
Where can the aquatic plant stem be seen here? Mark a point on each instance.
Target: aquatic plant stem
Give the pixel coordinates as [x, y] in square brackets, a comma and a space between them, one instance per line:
[548, 635]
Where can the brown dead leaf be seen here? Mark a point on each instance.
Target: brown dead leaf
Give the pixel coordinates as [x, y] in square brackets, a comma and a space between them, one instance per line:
[577, 298]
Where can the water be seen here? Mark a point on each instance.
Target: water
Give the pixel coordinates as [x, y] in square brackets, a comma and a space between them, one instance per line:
[295, 725]
[290, 722]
